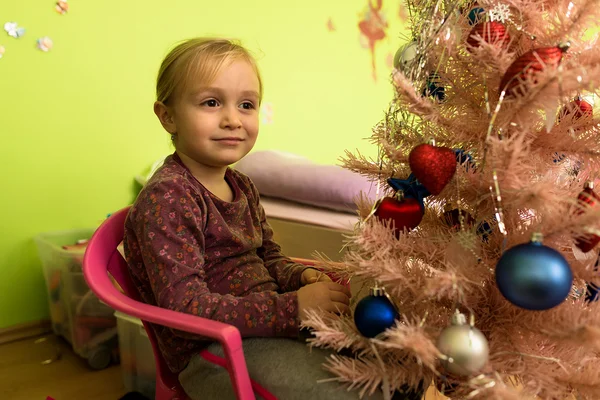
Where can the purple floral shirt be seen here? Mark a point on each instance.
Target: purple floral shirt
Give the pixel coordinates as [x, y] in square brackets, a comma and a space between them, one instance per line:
[189, 251]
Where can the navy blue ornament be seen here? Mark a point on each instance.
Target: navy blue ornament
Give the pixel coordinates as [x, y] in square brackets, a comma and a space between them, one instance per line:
[558, 157]
[485, 230]
[411, 189]
[375, 313]
[592, 292]
[573, 169]
[464, 158]
[533, 276]
[434, 88]
[476, 15]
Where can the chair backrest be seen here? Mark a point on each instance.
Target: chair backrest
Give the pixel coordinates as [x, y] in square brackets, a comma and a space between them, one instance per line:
[102, 257]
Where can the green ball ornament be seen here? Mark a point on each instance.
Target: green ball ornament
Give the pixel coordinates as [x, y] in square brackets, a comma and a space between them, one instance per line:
[465, 348]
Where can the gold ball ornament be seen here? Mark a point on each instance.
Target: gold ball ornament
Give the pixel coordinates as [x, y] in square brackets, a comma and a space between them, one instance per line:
[464, 347]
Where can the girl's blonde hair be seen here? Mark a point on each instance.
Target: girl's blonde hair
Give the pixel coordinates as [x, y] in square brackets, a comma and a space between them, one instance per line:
[199, 57]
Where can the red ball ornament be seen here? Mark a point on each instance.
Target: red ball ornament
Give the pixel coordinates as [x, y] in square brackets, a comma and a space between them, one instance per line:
[404, 213]
[587, 198]
[433, 166]
[578, 108]
[529, 64]
[493, 32]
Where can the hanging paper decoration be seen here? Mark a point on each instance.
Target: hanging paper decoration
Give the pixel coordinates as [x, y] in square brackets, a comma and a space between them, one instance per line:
[530, 63]
[433, 166]
[533, 276]
[45, 44]
[62, 7]
[330, 25]
[14, 30]
[266, 113]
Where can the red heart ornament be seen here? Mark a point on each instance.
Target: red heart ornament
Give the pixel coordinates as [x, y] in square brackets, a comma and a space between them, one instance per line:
[403, 214]
[587, 198]
[433, 166]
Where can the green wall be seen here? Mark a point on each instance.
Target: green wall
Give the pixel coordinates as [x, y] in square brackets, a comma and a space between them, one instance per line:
[77, 122]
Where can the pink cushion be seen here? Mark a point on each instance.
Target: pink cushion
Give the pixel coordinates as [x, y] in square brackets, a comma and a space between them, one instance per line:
[296, 178]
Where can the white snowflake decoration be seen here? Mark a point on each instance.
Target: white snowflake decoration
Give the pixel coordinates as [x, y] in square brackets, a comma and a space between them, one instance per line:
[500, 12]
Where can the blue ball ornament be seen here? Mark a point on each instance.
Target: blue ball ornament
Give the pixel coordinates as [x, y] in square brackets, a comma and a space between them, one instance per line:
[375, 313]
[475, 15]
[533, 276]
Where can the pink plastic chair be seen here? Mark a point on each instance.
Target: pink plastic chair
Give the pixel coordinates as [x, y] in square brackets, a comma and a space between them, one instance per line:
[102, 258]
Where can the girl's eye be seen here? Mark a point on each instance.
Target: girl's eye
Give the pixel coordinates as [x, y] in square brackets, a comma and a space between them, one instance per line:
[210, 103]
[247, 105]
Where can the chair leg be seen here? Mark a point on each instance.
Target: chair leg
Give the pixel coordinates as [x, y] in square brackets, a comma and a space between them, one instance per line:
[256, 387]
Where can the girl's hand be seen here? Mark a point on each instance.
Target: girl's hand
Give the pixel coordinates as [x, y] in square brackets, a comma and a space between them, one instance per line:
[312, 275]
[327, 296]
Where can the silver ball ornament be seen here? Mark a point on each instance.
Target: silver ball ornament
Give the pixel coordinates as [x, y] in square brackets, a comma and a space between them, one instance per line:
[465, 347]
[405, 57]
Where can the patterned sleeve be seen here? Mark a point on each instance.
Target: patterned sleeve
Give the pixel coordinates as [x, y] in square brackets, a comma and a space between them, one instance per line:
[286, 273]
[168, 223]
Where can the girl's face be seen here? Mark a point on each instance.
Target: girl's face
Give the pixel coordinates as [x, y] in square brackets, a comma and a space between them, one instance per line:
[216, 125]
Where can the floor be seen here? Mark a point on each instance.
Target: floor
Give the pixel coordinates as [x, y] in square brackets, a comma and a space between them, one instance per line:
[32, 369]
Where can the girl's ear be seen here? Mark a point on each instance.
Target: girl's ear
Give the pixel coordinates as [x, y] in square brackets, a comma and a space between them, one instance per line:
[165, 116]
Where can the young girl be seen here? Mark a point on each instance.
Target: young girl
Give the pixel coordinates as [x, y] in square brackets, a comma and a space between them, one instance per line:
[197, 240]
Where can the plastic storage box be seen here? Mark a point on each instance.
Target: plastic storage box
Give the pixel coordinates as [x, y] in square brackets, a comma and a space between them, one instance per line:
[137, 359]
[77, 315]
